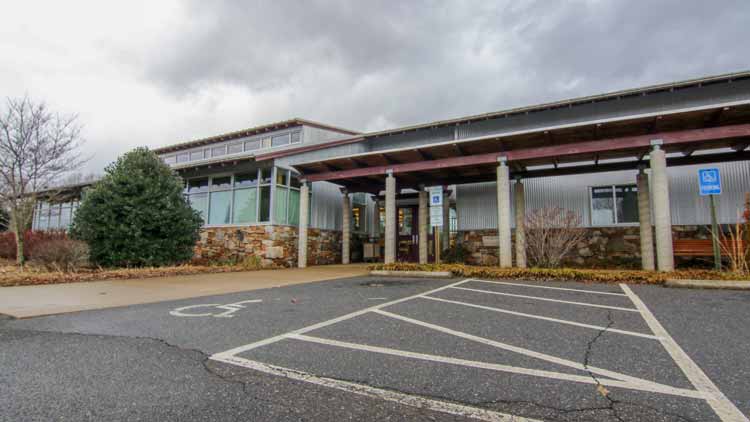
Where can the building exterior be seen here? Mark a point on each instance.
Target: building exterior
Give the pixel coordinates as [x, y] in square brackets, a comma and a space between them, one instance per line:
[625, 163]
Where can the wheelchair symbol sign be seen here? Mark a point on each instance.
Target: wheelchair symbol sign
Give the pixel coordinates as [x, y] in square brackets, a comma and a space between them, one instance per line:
[218, 311]
[709, 181]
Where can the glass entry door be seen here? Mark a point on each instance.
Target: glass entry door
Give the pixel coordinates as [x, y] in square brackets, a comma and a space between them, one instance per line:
[407, 236]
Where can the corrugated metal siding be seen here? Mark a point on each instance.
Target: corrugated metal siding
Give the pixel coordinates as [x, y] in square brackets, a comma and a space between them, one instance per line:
[326, 206]
[477, 204]
[314, 135]
[321, 154]
[739, 90]
[688, 207]
[421, 137]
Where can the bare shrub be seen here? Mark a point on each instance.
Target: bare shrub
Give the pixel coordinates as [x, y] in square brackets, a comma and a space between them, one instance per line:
[551, 233]
[733, 243]
[63, 255]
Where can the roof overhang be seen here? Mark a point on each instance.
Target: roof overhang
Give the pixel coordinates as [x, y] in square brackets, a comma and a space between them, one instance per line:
[565, 149]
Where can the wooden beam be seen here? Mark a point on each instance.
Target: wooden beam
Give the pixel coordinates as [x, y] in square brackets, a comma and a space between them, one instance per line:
[389, 160]
[424, 155]
[632, 143]
[633, 165]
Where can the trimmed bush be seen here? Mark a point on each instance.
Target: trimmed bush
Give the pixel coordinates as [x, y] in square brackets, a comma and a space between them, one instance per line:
[137, 215]
[64, 255]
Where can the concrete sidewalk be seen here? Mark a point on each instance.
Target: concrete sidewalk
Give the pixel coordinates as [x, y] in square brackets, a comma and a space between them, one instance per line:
[31, 301]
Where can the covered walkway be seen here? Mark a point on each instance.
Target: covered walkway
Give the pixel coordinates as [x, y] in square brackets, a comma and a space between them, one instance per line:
[647, 142]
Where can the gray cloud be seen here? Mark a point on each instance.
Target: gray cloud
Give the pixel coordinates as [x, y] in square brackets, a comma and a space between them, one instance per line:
[393, 63]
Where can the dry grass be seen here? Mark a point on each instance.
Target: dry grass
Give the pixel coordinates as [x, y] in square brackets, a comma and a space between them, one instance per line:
[566, 274]
[11, 275]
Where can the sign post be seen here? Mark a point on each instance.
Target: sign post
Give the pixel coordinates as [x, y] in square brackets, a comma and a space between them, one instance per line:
[709, 181]
[436, 216]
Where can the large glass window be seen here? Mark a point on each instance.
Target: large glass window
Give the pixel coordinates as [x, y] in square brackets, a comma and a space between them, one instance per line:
[252, 144]
[246, 198]
[196, 155]
[286, 197]
[235, 148]
[614, 205]
[294, 207]
[199, 202]
[265, 203]
[280, 140]
[626, 203]
[53, 216]
[281, 201]
[183, 157]
[220, 208]
[245, 206]
[198, 185]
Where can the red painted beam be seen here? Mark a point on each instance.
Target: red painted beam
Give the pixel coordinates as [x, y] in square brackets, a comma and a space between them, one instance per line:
[589, 147]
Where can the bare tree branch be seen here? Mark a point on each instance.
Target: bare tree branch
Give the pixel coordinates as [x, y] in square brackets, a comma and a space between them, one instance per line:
[37, 149]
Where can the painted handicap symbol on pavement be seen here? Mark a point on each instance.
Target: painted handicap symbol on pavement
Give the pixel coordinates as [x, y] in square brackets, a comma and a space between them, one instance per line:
[219, 311]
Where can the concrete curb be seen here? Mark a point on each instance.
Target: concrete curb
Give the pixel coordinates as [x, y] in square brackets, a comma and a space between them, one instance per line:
[420, 274]
[709, 284]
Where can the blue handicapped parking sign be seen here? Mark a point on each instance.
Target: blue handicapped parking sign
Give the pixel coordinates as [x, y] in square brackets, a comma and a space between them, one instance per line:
[709, 181]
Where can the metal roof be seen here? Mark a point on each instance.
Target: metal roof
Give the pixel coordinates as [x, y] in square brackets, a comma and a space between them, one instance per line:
[706, 80]
[571, 102]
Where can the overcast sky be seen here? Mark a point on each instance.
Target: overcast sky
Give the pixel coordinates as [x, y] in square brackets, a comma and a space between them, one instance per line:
[158, 72]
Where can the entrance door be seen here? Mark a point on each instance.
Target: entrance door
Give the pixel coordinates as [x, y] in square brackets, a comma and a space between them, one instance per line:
[407, 235]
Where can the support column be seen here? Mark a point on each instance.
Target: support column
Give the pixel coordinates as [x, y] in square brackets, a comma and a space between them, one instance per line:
[503, 215]
[424, 217]
[346, 228]
[304, 212]
[390, 219]
[662, 216]
[519, 199]
[376, 219]
[644, 217]
[445, 236]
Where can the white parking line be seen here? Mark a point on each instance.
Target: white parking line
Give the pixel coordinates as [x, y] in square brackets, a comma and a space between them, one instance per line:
[594, 305]
[536, 286]
[498, 367]
[724, 408]
[643, 384]
[561, 321]
[377, 393]
[705, 389]
[271, 340]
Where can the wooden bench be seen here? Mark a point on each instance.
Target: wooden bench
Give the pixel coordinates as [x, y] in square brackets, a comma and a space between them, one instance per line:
[699, 247]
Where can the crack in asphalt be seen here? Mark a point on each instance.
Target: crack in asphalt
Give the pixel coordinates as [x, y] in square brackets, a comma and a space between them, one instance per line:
[205, 361]
[603, 391]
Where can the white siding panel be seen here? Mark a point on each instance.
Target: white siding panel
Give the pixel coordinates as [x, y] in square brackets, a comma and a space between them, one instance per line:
[477, 208]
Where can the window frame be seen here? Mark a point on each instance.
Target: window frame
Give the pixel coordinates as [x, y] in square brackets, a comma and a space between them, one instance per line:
[259, 184]
[294, 136]
[615, 223]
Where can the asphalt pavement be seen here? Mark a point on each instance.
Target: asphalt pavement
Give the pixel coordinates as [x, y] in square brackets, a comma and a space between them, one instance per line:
[389, 349]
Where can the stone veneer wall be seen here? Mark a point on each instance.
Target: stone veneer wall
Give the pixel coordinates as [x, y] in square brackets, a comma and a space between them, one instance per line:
[602, 247]
[274, 245]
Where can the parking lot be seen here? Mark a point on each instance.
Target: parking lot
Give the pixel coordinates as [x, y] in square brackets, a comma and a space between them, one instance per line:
[469, 349]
